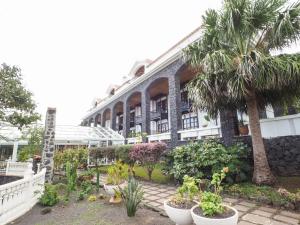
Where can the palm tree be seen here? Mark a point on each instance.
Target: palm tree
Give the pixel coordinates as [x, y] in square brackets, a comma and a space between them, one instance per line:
[238, 68]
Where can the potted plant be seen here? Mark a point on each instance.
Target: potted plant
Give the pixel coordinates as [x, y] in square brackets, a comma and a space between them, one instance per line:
[211, 210]
[116, 176]
[206, 121]
[179, 207]
[243, 128]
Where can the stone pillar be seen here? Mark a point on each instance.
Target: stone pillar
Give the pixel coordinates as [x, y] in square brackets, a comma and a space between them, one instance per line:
[126, 119]
[49, 145]
[229, 125]
[113, 118]
[175, 109]
[15, 151]
[145, 113]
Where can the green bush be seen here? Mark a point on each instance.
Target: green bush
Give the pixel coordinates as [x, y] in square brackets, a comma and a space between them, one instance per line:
[50, 196]
[203, 158]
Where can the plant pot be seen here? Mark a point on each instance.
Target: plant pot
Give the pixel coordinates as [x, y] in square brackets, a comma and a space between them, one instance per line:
[200, 220]
[178, 216]
[110, 189]
[243, 129]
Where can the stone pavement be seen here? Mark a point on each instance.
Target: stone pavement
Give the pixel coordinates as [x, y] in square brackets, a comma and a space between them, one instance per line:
[250, 213]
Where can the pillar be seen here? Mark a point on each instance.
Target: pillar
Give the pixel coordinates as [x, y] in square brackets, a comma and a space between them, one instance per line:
[15, 151]
[229, 125]
[126, 119]
[175, 108]
[48, 143]
[145, 113]
[113, 118]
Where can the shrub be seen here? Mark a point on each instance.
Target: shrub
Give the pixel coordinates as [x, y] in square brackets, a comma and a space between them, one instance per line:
[86, 189]
[211, 202]
[122, 154]
[186, 193]
[116, 174]
[50, 196]
[148, 155]
[92, 198]
[203, 158]
[132, 195]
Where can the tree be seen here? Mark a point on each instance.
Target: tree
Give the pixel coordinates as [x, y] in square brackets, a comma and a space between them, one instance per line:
[16, 104]
[148, 154]
[236, 68]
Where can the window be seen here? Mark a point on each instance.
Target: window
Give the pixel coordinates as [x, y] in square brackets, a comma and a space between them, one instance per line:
[190, 121]
[162, 126]
[162, 104]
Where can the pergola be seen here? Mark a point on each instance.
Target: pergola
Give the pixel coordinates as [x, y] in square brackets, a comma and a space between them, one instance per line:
[65, 136]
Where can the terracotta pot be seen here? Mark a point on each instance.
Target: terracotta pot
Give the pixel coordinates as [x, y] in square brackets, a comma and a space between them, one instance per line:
[201, 220]
[243, 129]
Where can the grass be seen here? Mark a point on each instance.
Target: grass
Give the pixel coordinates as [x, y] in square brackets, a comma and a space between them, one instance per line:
[141, 173]
[263, 194]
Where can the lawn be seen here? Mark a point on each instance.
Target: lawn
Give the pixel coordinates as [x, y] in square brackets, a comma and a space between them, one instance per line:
[141, 173]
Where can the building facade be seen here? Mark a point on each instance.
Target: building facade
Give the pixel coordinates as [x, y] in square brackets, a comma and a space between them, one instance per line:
[153, 101]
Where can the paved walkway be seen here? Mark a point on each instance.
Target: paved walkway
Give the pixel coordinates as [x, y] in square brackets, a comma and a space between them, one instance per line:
[249, 213]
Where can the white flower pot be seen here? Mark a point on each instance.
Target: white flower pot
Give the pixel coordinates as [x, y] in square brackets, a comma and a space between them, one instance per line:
[110, 189]
[178, 216]
[200, 220]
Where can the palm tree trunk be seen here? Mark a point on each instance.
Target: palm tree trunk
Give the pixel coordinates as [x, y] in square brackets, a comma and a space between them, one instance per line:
[262, 173]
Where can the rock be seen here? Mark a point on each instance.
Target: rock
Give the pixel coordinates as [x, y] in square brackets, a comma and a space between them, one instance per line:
[46, 210]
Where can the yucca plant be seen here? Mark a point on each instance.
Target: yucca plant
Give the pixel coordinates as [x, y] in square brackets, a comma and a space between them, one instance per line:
[132, 196]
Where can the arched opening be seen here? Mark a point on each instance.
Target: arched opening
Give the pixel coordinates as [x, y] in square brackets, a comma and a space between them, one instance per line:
[106, 118]
[135, 106]
[191, 118]
[119, 117]
[91, 122]
[98, 120]
[158, 91]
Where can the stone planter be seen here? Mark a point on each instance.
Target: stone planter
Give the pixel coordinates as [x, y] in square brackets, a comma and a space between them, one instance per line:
[201, 220]
[178, 216]
[110, 189]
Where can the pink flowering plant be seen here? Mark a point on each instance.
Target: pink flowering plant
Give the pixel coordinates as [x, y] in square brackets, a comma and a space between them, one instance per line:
[148, 155]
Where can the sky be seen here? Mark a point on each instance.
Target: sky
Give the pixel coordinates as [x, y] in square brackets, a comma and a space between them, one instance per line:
[69, 51]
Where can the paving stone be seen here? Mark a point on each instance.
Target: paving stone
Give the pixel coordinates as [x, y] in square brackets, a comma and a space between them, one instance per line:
[161, 200]
[161, 207]
[230, 200]
[154, 188]
[241, 208]
[161, 190]
[153, 192]
[286, 219]
[245, 223]
[152, 197]
[291, 214]
[163, 195]
[248, 204]
[154, 204]
[268, 209]
[274, 222]
[262, 213]
[256, 219]
[241, 214]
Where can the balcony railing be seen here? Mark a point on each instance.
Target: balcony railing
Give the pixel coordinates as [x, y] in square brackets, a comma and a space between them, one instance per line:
[158, 115]
[138, 119]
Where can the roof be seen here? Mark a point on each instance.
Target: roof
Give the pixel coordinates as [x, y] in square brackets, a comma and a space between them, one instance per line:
[65, 135]
[160, 62]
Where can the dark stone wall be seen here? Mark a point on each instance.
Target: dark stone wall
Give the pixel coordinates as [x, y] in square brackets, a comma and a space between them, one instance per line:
[283, 154]
[8, 179]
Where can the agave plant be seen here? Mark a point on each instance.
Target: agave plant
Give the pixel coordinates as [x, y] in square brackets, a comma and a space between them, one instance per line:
[132, 196]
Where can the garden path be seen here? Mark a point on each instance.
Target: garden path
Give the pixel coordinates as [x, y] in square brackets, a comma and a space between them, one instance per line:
[250, 213]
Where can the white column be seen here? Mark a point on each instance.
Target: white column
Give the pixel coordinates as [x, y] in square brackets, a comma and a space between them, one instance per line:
[15, 151]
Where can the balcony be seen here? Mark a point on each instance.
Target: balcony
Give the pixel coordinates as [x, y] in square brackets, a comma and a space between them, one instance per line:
[185, 106]
[200, 133]
[159, 137]
[138, 120]
[158, 115]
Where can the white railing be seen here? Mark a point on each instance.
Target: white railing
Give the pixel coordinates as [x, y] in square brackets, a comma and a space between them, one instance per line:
[16, 168]
[280, 126]
[159, 137]
[18, 197]
[132, 140]
[199, 133]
